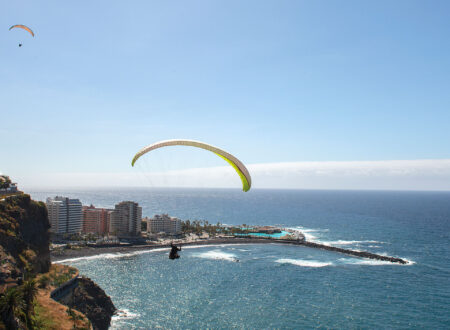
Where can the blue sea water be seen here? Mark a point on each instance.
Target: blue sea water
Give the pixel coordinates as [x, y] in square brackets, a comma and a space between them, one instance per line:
[274, 286]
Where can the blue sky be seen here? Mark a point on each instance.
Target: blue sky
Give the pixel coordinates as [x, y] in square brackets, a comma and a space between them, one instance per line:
[269, 81]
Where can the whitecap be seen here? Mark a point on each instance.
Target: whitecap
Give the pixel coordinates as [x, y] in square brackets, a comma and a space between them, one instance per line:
[129, 254]
[109, 255]
[372, 262]
[344, 242]
[309, 233]
[119, 319]
[216, 255]
[304, 263]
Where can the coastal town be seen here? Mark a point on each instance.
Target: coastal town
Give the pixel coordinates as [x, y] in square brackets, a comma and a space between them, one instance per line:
[77, 230]
[74, 223]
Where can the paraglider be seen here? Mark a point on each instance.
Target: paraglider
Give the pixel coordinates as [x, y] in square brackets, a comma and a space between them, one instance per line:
[233, 161]
[174, 252]
[24, 27]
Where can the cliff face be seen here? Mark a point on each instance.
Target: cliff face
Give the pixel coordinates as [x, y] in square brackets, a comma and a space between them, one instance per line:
[92, 301]
[24, 239]
[24, 250]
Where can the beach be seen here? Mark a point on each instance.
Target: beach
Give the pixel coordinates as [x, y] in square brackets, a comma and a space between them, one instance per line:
[86, 251]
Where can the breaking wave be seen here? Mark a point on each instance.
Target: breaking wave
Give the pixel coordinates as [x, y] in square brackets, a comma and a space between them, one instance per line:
[217, 255]
[372, 262]
[121, 316]
[130, 254]
[304, 263]
[344, 242]
[110, 255]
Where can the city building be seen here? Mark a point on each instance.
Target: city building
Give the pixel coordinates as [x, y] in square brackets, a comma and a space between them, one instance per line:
[164, 223]
[96, 220]
[125, 220]
[65, 215]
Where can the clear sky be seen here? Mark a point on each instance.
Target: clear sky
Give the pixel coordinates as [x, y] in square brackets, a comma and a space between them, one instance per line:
[269, 81]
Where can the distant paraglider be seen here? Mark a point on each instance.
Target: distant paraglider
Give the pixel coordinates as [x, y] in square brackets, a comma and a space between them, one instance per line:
[24, 27]
[233, 161]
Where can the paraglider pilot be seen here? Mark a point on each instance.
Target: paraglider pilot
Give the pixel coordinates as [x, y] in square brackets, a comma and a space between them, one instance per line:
[174, 252]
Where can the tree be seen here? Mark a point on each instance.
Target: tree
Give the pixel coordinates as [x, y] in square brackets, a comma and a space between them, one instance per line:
[5, 181]
[12, 308]
[43, 281]
[29, 292]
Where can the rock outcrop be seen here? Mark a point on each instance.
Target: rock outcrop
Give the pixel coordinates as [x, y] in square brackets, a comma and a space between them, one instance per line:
[93, 302]
[24, 239]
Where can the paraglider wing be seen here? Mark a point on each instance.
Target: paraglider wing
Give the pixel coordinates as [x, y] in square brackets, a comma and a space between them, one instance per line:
[233, 161]
[26, 28]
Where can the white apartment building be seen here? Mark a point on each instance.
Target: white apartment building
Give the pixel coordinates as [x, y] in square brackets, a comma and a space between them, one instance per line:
[65, 215]
[125, 220]
[164, 223]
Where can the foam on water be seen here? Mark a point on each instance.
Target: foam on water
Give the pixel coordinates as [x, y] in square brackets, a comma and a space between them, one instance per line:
[304, 263]
[109, 255]
[311, 234]
[344, 242]
[130, 254]
[121, 316]
[216, 255]
[372, 262]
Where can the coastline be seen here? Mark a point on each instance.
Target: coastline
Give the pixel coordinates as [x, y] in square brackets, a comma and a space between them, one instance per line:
[57, 256]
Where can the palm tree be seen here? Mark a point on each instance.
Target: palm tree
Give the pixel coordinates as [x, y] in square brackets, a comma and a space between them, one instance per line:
[12, 308]
[29, 292]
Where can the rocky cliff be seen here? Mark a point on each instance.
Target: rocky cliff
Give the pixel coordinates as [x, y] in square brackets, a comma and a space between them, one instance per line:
[24, 239]
[24, 252]
[88, 298]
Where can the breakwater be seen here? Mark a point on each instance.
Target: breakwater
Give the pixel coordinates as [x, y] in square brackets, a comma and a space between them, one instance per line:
[361, 254]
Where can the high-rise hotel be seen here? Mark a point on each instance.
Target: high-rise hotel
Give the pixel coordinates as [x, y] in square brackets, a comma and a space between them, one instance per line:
[96, 220]
[65, 215]
[164, 223]
[125, 220]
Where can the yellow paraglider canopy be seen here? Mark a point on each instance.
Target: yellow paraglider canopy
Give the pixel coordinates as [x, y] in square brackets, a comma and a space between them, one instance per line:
[233, 161]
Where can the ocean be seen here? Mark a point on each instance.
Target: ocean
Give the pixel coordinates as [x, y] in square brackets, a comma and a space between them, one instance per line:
[283, 287]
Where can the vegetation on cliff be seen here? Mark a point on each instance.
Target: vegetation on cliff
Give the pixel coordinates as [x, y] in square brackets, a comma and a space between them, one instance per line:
[5, 181]
[24, 252]
[27, 277]
[24, 239]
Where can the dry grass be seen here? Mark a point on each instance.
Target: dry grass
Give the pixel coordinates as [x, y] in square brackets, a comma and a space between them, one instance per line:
[53, 315]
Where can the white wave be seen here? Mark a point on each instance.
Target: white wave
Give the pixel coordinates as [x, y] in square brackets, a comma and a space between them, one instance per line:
[109, 255]
[120, 318]
[372, 262]
[409, 262]
[129, 254]
[344, 242]
[304, 263]
[217, 255]
[308, 232]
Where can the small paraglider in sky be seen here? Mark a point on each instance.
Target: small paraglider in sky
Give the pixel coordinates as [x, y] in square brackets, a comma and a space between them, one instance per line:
[24, 27]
